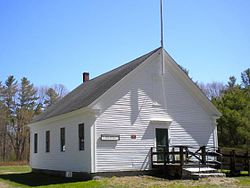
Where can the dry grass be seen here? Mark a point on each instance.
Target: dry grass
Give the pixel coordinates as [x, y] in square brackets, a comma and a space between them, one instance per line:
[148, 182]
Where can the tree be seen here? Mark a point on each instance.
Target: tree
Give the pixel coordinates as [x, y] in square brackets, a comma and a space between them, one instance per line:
[48, 96]
[41, 95]
[245, 77]
[3, 118]
[51, 97]
[9, 96]
[60, 89]
[234, 124]
[232, 82]
[25, 111]
[212, 90]
[18, 105]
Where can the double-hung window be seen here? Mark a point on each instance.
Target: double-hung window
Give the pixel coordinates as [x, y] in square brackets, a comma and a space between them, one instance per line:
[35, 142]
[81, 136]
[47, 141]
[62, 139]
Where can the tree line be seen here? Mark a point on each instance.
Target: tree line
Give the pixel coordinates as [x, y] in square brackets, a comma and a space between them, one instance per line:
[233, 101]
[19, 103]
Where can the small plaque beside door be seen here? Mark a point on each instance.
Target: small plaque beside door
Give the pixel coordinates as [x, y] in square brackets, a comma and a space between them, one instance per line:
[133, 136]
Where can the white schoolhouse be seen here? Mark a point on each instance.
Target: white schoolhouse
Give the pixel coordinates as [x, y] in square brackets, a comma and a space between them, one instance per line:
[109, 123]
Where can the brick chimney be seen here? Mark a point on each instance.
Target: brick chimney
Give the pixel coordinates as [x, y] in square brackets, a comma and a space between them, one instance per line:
[85, 76]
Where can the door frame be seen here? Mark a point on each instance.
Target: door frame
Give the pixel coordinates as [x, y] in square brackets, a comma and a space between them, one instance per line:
[165, 129]
[160, 157]
[161, 126]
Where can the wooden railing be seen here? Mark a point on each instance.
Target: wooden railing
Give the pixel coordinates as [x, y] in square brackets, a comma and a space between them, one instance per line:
[185, 155]
[227, 159]
[235, 160]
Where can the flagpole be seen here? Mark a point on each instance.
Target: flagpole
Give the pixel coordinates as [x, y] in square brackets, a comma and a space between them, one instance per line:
[161, 10]
[162, 42]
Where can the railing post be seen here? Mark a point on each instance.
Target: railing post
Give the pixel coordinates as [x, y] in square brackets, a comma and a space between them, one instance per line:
[203, 155]
[219, 158]
[173, 155]
[164, 160]
[186, 154]
[232, 162]
[151, 157]
[164, 156]
[181, 156]
[167, 153]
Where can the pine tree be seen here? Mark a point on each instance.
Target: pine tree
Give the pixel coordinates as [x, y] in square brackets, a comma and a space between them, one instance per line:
[234, 125]
[9, 97]
[3, 118]
[52, 97]
[25, 111]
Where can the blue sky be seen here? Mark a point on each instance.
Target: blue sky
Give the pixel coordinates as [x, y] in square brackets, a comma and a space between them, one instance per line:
[54, 41]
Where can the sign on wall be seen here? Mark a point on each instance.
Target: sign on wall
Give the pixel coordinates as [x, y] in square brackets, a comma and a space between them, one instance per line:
[110, 137]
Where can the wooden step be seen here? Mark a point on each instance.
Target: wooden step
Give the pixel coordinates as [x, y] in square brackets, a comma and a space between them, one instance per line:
[206, 175]
[199, 169]
[200, 172]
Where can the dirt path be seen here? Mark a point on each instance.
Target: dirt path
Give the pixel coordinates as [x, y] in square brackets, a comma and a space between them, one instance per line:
[3, 185]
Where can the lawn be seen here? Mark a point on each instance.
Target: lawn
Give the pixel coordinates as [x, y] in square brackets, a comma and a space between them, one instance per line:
[21, 176]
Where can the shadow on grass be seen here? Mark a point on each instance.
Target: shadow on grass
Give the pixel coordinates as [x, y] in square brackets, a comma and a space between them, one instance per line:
[37, 179]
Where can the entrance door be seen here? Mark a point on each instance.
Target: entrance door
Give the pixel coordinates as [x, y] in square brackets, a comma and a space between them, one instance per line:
[161, 142]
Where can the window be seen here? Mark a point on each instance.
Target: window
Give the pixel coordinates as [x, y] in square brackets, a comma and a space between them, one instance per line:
[35, 143]
[81, 136]
[47, 141]
[62, 139]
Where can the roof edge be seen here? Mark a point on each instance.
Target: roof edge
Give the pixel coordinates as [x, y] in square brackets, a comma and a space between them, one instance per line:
[63, 116]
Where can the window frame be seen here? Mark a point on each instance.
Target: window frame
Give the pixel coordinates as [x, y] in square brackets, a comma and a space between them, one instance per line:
[81, 133]
[35, 142]
[62, 139]
[47, 141]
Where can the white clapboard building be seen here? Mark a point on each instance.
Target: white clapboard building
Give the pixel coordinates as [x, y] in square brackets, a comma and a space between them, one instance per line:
[109, 123]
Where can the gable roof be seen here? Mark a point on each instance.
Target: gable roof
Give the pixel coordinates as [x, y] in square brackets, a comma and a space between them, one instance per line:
[89, 91]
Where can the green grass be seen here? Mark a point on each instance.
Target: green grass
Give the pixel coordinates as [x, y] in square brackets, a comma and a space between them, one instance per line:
[14, 169]
[22, 177]
[244, 180]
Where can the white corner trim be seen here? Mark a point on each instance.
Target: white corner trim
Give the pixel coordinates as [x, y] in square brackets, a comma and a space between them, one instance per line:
[93, 148]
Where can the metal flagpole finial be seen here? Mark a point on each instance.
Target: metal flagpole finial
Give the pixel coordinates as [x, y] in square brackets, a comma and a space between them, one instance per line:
[161, 10]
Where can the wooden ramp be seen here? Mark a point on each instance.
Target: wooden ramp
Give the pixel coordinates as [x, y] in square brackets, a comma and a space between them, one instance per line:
[186, 162]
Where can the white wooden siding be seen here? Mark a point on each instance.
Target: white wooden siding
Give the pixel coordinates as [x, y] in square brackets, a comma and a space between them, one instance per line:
[128, 107]
[70, 160]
